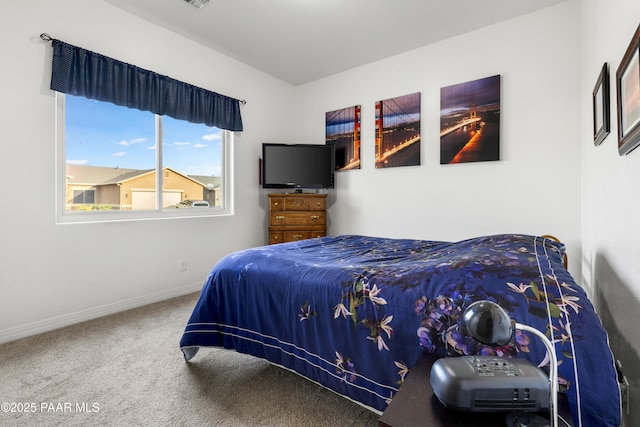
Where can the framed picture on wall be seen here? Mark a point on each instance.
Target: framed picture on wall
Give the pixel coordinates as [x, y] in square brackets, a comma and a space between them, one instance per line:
[397, 130]
[628, 96]
[601, 116]
[470, 121]
[342, 130]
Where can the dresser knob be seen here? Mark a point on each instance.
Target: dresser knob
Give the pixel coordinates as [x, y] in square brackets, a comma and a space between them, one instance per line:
[276, 204]
[314, 218]
[280, 217]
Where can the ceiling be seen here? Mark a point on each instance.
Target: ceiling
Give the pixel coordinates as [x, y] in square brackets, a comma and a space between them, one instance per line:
[299, 41]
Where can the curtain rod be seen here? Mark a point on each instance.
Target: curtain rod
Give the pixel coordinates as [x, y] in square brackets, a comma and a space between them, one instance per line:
[47, 38]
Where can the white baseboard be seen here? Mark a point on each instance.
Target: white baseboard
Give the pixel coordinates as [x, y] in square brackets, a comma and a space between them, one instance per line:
[18, 332]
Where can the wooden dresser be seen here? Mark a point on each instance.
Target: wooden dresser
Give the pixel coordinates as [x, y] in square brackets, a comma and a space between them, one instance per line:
[297, 216]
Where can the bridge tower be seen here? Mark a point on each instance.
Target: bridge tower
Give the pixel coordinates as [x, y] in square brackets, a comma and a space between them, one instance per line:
[379, 130]
[356, 132]
[473, 114]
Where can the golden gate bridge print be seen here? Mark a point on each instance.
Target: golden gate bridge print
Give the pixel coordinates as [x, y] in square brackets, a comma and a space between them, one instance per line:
[398, 131]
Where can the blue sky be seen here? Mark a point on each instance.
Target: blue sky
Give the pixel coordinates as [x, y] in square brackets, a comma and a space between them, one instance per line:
[103, 134]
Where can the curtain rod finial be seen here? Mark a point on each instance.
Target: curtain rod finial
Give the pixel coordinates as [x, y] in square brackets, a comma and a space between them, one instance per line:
[46, 37]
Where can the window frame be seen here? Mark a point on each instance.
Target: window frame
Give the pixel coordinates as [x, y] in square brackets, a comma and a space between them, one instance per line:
[72, 217]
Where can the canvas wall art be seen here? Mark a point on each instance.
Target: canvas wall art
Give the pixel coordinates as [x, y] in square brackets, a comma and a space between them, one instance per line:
[470, 121]
[343, 132]
[398, 131]
[628, 97]
[600, 100]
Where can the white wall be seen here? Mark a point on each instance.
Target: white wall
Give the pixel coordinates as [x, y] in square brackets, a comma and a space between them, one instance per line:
[534, 188]
[51, 275]
[611, 193]
[611, 184]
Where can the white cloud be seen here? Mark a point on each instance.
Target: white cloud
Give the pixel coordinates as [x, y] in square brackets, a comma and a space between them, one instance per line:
[180, 144]
[134, 141]
[211, 136]
[119, 154]
[200, 145]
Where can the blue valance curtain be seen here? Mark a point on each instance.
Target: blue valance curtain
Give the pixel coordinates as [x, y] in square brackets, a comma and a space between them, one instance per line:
[80, 72]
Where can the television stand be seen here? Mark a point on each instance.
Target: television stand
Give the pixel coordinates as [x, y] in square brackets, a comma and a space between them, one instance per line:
[297, 216]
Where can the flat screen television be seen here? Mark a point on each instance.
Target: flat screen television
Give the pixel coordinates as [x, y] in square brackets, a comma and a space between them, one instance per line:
[298, 166]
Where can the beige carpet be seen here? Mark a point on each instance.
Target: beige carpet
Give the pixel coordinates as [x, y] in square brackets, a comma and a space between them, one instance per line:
[127, 369]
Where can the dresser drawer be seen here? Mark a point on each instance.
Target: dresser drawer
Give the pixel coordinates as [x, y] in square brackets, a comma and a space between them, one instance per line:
[293, 236]
[276, 203]
[297, 204]
[319, 204]
[276, 237]
[315, 234]
[304, 204]
[297, 218]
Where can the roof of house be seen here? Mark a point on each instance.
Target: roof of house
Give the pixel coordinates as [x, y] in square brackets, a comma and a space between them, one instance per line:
[102, 175]
[207, 181]
[96, 175]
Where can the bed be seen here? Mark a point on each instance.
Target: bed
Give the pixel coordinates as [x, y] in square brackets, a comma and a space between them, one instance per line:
[354, 313]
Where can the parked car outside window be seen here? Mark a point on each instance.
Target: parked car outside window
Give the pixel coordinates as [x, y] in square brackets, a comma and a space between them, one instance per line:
[193, 204]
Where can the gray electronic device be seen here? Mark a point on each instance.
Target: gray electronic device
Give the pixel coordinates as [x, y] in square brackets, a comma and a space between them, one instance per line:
[490, 384]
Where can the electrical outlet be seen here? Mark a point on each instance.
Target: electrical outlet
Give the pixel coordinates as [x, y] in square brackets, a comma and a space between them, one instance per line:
[183, 265]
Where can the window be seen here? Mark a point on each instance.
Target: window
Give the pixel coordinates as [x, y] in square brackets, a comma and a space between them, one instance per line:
[118, 163]
[83, 197]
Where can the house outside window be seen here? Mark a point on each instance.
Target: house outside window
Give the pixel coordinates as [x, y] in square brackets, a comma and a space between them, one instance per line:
[109, 157]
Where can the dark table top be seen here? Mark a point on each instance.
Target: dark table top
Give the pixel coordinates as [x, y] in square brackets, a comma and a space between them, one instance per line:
[415, 404]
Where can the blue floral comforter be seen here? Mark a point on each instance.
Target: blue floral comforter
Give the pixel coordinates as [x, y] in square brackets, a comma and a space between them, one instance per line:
[354, 313]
